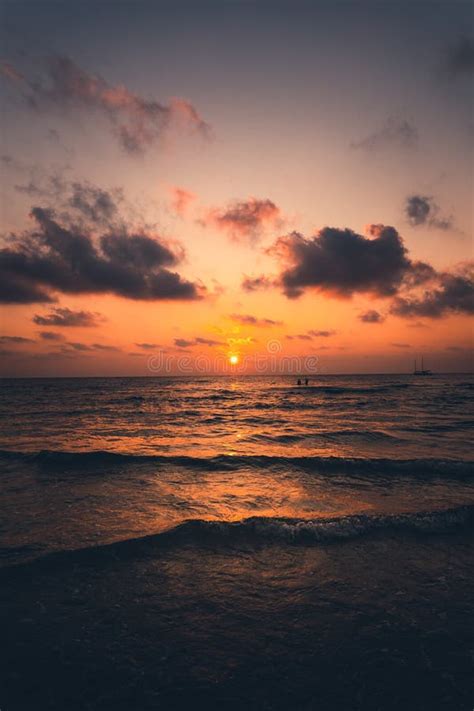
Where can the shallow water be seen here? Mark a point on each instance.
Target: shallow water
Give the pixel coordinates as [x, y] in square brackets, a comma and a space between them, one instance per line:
[241, 544]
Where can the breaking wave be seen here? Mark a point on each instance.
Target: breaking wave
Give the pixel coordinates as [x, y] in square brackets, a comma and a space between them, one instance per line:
[267, 530]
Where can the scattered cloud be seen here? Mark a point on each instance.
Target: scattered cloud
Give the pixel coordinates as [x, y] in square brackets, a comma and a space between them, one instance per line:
[148, 346]
[459, 58]
[9, 71]
[97, 205]
[309, 335]
[248, 320]
[136, 122]
[102, 347]
[417, 324]
[69, 318]
[452, 293]
[300, 336]
[79, 346]
[15, 339]
[371, 316]
[82, 347]
[395, 133]
[51, 336]
[321, 334]
[258, 283]
[341, 262]
[181, 200]
[87, 201]
[423, 210]
[198, 341]
[56, 256]
[245, 219]
[183, 343]
[401, 345]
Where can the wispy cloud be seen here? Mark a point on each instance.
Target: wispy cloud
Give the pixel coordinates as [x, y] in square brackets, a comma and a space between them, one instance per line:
[423, 210]
[136, 122]
[371, 316]
[244, 219]
[180, 200]
[459, 57]
[249, 320]
[451, 293]
[198, 341]
[68, 318]
[395, 133]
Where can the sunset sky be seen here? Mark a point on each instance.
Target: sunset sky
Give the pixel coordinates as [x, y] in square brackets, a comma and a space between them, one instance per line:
[216, 179]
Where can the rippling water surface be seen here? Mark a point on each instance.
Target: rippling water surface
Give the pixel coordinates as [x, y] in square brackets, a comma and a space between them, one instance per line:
[237, 543]
[88, 461]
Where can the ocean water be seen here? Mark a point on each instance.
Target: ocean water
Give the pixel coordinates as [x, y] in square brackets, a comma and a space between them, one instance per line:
[238, 542]
[96, 460]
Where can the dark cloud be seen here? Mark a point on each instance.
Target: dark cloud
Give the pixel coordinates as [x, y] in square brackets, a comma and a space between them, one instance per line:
[148, 346]
[423, 210]
[321, 334]
[208, 342]
[41, 185]
[342, 262]
[459, 59]
[401, 345]
[68, 317]
[309, 335]
[77, 346]
[396, 133]
[371, 316]
[248, 320]
[54, 257]
[244, 219]
[15, 339]
[183, 343]
[102, 347]
[18, 289]
[88, 201]
[51, 336]
[257, 283]
[95, 204]
[453, 293]
[136, 122]
[186, 343]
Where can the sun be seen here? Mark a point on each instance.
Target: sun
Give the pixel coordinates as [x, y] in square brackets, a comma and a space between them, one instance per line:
[233, 359]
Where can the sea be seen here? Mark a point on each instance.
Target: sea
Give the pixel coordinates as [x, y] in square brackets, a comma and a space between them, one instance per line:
[238, 542]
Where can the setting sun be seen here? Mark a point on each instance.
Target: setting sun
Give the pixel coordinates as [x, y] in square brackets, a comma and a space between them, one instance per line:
[236, 350]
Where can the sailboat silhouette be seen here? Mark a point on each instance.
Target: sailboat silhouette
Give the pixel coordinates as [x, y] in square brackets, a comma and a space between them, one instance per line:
[422, 370]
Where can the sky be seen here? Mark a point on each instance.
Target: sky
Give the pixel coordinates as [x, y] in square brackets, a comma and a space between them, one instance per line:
[235, 187]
